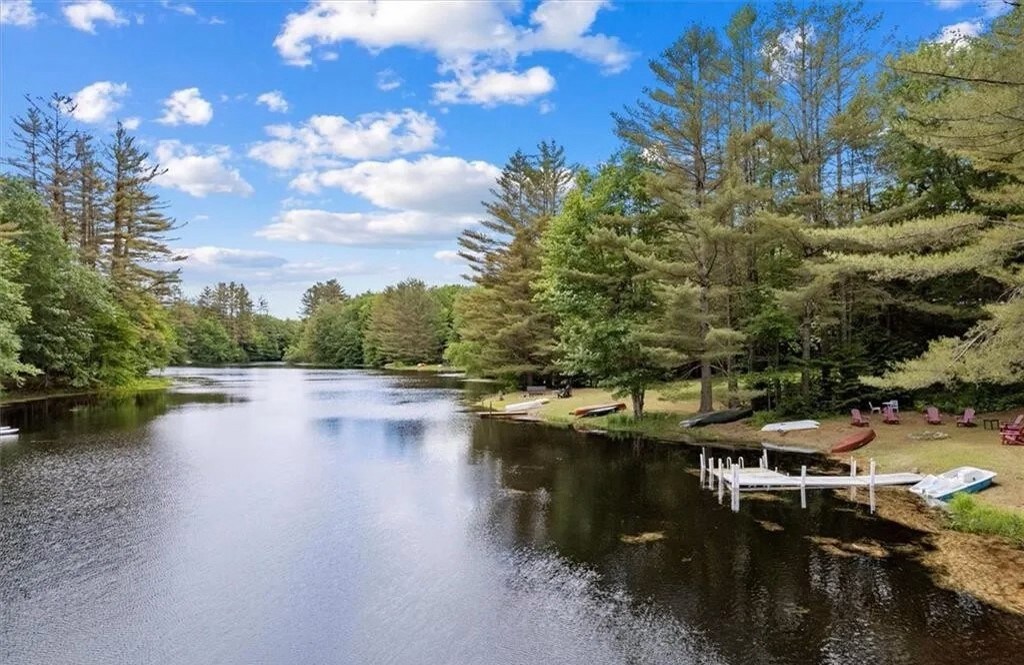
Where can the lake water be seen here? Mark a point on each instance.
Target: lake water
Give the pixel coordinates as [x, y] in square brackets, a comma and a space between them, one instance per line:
[277, 515]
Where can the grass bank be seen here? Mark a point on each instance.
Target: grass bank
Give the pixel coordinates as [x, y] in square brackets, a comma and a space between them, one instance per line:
[976, 546]
[143, 384]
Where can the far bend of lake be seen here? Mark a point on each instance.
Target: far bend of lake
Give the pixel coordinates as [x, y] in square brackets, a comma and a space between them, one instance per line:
[273, 515]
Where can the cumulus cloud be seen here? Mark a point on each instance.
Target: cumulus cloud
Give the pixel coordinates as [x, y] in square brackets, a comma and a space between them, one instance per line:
[183, 8]
[18, 12]
[186, 106]
[85, 16]
[323, 139]
[132, 123]
[950, 4]
[208, 262]
[959, 32]
[97, 101]
[490, 88]
[216, 258]
[388, 80]
[363, 229]
[199, 173]
[274, 101]
[480, 38]
[444, 185]
[448, 256]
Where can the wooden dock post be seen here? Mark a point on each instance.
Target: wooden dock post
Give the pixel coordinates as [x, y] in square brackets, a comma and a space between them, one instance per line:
[871, 485]
[764, 459]
[853, 474]
[721, 481]
[711, 473]
[741, 462]
[735, 489]
[803, 486]
[702, 469]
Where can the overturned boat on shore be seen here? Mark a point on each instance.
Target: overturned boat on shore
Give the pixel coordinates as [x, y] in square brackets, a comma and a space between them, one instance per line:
[598, 410]
[718, 417]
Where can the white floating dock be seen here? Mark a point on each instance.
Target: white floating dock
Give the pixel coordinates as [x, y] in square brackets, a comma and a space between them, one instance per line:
[760, 479]
[718, 473]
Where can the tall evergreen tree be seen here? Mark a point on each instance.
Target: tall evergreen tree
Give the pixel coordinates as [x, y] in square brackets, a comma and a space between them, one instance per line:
[139, 228]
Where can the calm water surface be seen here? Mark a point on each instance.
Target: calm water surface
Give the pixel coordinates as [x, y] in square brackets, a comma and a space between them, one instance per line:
[275, 515]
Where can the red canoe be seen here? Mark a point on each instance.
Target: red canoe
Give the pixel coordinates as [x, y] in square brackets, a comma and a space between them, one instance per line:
[598, 409]
[854, 441]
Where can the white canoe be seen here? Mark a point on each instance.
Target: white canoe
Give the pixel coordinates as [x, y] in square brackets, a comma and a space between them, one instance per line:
[527, 406]
[791, 426]
[6, 431]
[942, 487]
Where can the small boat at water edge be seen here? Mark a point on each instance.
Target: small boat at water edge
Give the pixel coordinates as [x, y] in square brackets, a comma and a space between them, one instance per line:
[527, 406]
[854, 441]
[966, 479]
[718, 417]
[791, 426]
[598, 410]
[518, 413]
[8, 432]
[778, 447]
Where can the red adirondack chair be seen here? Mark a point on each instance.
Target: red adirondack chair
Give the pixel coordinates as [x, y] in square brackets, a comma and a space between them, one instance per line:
[857, 420]
[1017, 424]
[890, 417]
[1012, 437]
[966, 420]
[932, 416]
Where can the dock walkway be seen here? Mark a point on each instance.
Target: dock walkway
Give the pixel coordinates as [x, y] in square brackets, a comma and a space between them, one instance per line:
[761, 479]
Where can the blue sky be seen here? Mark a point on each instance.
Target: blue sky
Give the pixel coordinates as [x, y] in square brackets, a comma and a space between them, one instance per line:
[354, 139]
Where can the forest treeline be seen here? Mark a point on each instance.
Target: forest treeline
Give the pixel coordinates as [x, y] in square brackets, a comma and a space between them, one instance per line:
[792, 213]
[788, 212]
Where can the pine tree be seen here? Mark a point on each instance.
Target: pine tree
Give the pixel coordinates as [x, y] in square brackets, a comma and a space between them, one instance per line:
[27, 146]
[508, 333]
[320, 294]
[87, 202]
[139, 227]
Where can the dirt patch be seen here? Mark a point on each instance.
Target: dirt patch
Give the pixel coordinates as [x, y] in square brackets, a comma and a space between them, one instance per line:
[985, 566]
[642, 538]
[762, 496]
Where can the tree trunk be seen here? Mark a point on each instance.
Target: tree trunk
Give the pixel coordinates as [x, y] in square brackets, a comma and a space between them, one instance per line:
[706, 401]
[637, 395]
[805, 369]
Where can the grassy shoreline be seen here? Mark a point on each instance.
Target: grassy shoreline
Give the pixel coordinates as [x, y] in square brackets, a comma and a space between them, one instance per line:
[976, 546]
[144, 384]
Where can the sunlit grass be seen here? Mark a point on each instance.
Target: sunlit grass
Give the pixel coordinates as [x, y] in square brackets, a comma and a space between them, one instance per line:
[969, 514]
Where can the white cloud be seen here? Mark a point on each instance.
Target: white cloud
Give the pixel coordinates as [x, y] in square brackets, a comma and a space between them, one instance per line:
[475, 37]
[132, 123]
[388, 80]
[323, 139]
[96, 101]
[209, 262]
[948, 5]
[363, 229]
[199, 174]
[958, 32]
[448, 256]
[545, 107]
[441, 185]
[85, 15]
[491, 87]
[274, 101]
[216, 258]
[186, 106]
[18, 12]
[187, 10]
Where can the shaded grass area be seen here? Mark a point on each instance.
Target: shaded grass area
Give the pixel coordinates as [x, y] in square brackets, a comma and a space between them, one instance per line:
[143, 384]
[968, 514]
